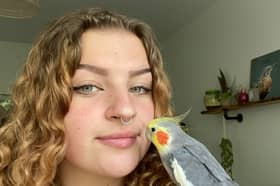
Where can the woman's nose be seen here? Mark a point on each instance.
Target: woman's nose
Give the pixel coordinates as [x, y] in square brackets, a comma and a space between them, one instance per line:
[121, 108]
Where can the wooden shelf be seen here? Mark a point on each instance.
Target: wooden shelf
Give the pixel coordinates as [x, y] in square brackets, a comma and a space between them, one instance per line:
[221, 109]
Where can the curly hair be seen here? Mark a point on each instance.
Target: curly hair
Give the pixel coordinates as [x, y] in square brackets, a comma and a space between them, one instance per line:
[32, 142]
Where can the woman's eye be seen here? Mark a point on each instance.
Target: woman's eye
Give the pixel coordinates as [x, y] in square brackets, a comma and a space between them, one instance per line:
[140, 90]
[86, 89]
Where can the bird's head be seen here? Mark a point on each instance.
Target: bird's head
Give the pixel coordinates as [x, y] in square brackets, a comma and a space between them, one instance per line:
[158, 134]
[162, 130]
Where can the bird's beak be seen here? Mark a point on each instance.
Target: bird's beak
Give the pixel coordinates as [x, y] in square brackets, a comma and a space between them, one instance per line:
[148, 134]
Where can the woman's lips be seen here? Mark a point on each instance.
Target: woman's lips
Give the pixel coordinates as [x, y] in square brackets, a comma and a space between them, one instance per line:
[119, 140]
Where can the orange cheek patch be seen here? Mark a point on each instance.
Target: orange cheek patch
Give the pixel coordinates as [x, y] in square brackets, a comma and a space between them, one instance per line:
[162, 137]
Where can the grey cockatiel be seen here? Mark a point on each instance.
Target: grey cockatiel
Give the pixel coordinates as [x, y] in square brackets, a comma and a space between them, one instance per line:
[187, 161]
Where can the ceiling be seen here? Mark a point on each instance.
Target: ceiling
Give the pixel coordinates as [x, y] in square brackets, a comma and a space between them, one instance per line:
[165, 16]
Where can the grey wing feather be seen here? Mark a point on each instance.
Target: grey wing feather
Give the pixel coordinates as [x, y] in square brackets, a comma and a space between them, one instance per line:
[201, 153]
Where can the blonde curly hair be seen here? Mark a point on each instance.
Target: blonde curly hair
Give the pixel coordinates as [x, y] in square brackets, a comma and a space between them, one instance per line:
[32, 142]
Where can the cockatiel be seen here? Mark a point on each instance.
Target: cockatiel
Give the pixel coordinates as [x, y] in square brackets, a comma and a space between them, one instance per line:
[187, 161]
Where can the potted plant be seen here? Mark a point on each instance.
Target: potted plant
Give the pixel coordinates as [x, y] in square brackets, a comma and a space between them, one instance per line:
[226, 155]
[226, 91]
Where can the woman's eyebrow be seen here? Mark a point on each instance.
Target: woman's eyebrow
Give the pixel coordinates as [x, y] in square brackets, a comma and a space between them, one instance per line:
[139, 72]
[94, 69]
[104, 72]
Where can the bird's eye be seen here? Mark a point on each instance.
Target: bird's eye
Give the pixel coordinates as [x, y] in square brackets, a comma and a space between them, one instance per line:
[153, 129]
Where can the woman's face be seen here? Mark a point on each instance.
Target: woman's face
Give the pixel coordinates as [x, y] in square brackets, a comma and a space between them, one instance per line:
[113, 82]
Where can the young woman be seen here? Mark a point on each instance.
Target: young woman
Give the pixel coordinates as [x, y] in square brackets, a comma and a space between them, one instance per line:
[91, 83]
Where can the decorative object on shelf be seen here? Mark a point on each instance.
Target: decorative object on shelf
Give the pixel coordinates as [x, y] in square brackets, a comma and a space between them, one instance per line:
[5, 106]
[254, 94]
[243, 96]
[226, 151]
[212, 99]
[226, 91]
[265, 75]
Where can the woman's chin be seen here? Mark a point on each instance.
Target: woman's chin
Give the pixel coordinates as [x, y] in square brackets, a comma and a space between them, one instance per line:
[121, 168]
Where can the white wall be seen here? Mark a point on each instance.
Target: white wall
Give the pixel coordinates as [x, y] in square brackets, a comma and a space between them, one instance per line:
[12, 58]
[228, 35]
